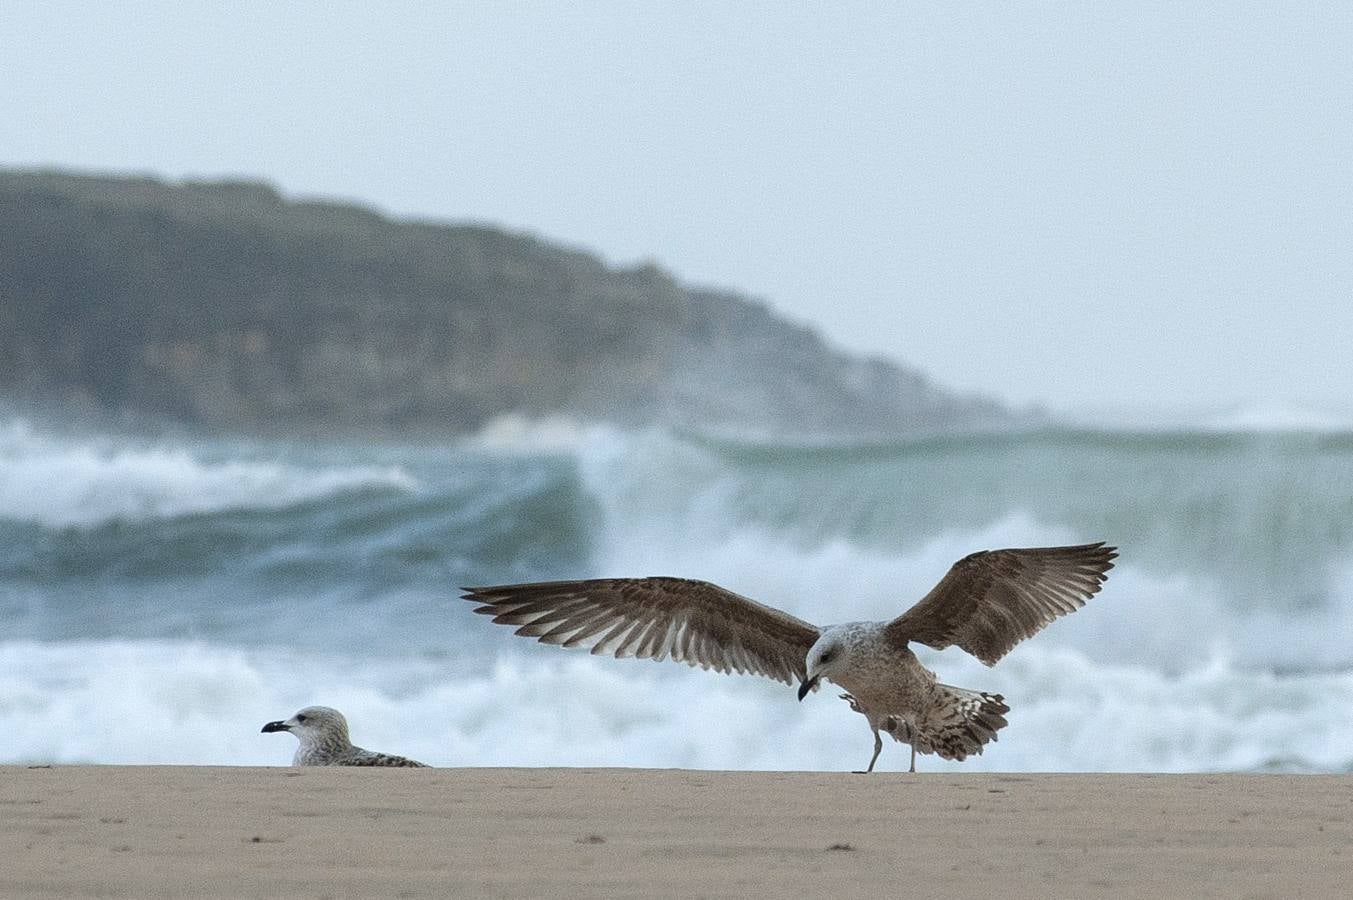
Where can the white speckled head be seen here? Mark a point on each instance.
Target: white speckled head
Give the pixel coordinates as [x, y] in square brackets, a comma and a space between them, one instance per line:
[316, 726]
[831, 653]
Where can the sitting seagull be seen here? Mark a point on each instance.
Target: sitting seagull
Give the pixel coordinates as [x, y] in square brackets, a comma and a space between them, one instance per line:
[323, 733]
[988, 602]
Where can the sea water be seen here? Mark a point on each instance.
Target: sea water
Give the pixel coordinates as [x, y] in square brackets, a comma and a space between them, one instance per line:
[162, 598]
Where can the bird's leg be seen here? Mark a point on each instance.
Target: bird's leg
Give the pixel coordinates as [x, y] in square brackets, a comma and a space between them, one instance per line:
[878, 748]
[894, 724]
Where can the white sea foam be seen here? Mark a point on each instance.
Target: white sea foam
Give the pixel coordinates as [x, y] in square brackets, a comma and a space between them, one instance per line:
[61, 482]
[130, 702]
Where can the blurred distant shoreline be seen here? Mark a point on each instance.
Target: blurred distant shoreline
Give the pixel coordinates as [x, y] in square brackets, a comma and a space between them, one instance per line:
[226, 307]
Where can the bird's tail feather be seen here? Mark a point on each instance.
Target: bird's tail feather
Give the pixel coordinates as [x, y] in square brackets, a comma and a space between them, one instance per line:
[959, 723]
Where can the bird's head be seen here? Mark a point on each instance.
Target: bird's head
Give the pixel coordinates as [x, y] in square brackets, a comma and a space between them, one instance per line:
[314, 725]
[826, 656]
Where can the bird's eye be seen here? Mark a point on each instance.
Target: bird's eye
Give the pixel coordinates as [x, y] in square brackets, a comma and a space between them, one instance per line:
[300, 718]
[827, 657]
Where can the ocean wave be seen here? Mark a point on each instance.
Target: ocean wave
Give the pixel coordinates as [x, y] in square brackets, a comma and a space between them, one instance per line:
[1165, 619]
[1262, 517]
[61, 482]
[173, 703]
[1238, 550]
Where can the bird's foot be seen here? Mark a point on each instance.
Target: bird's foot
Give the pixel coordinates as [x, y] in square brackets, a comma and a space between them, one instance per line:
[854, 704]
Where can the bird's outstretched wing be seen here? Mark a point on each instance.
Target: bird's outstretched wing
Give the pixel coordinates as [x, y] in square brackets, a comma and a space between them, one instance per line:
[992, 600]
[694, 622]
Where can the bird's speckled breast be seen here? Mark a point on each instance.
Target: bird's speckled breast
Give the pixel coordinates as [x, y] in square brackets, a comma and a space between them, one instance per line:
[885, 680]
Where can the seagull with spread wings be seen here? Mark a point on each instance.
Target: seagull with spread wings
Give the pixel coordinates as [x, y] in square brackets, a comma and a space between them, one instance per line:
[988, 602]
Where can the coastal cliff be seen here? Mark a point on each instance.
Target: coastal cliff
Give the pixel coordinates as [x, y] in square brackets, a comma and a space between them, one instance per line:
[227, 306]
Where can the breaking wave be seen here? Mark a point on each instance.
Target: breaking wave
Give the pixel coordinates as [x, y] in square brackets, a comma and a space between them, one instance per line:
[63, 483]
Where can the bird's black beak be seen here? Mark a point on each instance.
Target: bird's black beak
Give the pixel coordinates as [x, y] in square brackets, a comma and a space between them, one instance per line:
[808, 685]
[274, 726]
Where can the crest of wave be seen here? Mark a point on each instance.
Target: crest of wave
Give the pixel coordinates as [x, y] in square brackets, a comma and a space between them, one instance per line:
[61, 482]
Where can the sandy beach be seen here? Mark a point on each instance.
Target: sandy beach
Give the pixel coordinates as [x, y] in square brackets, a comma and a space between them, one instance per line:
[253, 832]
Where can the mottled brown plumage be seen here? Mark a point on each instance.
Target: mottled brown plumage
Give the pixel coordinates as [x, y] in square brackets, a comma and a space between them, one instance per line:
[993, 599]
[694, 622]
[987, 603]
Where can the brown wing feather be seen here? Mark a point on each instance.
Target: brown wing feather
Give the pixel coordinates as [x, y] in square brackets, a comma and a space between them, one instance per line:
[694, 622]
[992, 600]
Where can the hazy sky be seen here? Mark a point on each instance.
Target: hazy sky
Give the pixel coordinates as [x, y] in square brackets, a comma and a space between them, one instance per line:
[1127, 204]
